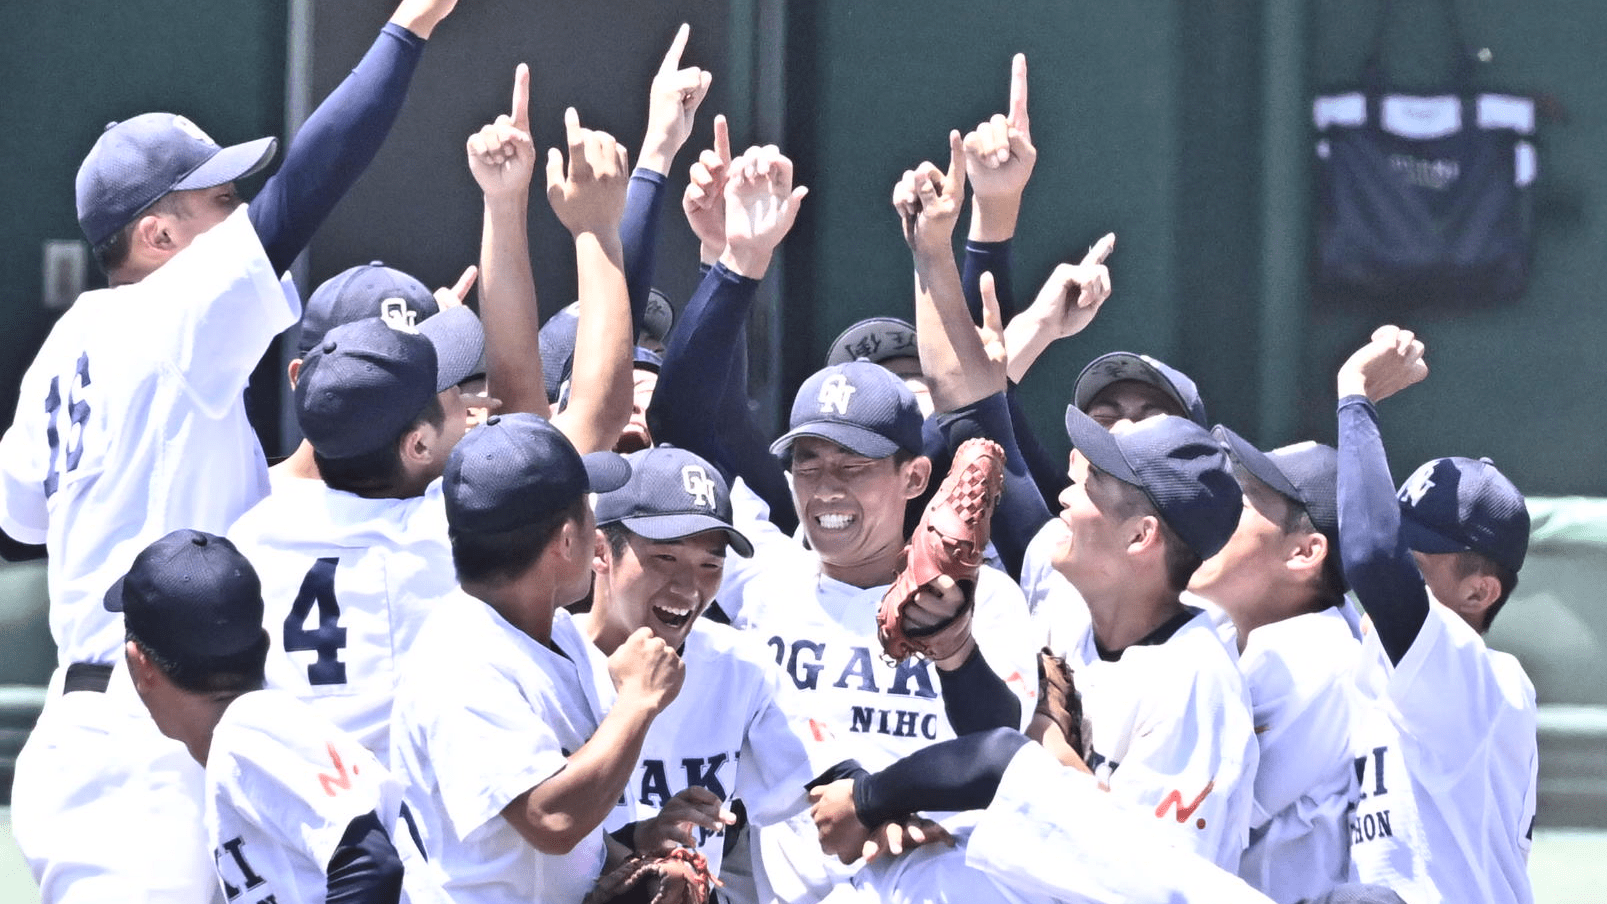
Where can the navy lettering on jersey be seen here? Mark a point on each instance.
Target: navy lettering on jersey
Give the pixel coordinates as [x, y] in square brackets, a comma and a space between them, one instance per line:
[78, 417]
[1369, 826]
[859, 665]
[704, 773]
[898, 723]
[247, 877]
[810, 671]
[916, 669]
[655, 784]
[328, 638]
[1378, 773]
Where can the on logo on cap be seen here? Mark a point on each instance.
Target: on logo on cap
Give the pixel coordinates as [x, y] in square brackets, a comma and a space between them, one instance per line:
[698, 485]
[396, 313]
[1419, 485]
[835, 393]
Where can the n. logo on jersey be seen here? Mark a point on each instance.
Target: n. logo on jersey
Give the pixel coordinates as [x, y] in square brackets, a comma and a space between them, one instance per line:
[698, 485]
[1418, 485]
[835, 393]
[396, 313]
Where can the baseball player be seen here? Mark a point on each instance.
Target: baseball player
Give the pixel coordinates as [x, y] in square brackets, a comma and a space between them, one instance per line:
[511, 765]
[1279, 580]
[296, 810]
[131, 423]
[662, 542]
[353, 563]
[1444, 738]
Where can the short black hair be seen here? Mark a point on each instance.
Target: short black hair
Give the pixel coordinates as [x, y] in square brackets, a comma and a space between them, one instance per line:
[497, 557]
[113, 251]
[617, 535]
[377, 472]
[236, 674]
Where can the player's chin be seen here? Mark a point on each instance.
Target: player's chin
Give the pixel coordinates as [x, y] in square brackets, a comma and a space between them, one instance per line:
[634, 439]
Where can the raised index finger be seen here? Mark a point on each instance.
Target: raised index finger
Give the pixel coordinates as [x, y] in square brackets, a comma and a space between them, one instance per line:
[672, 59]
[1100, 250]
[1018, 93]
[954, 179]
[722, 139]
[521, 98]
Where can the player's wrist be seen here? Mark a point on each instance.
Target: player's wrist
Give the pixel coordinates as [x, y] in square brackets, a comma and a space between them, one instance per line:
[751, 262]
[993, 218]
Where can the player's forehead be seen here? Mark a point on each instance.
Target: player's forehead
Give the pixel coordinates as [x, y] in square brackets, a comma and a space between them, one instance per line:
[1271, 504]
[709, 542]
[1134, 396]
[814, 448]
[904, 366]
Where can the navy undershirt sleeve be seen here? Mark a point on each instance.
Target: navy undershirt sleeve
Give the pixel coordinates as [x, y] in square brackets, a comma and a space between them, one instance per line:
[13, 550]
[1377, 563]
[962, 774]
[335, 146]
[1021, 510]
[1047, 472]
[987, 257]
[694, 408]
[976, 699]
[365, 868]
[638, 237]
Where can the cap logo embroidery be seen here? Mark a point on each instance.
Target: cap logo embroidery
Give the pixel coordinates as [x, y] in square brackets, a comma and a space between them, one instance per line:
[1418, 486]
[697, 484]
[398, 316]
[184, 125]
[834, 394]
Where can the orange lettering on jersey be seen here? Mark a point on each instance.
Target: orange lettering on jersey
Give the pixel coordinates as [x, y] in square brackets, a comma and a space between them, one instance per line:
[819, 730]
[340, 779]
[1015, 678]
[1176, 798]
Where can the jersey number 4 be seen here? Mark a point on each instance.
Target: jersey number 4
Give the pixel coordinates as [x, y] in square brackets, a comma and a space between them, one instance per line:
[78, 416]
[327, 637]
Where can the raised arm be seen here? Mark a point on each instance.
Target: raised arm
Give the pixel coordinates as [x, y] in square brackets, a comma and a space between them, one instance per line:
[341, 137]
[589, 199]
[1067, 303]
[1377, 563]
[502, 158]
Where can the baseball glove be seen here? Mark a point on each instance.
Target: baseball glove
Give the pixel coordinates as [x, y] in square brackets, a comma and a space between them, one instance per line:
[949, 540]
[679, 877]
[1058, 699]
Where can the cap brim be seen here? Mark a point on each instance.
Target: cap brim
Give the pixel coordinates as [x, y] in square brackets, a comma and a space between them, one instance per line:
[852, 437]
[233, 162]
[459, 342]
[114, 597]
[605, 471]
[1099, 446]
[1258, 464]
[1421, 538]
[681, 525]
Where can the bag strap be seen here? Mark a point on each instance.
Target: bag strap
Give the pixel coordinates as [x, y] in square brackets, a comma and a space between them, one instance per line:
[1374, 75]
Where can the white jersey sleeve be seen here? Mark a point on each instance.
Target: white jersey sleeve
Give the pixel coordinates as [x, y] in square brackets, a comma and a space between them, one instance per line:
[283, 787]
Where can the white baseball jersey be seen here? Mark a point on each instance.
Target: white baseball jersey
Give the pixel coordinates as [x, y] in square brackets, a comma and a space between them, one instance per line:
[751, 515]
[483, 713]
[1169, 728]
[282, 786]
[1059, 614]
[726, 731]
[1051, 834]
[132, 423]
[346, 585]
[1445, 754]
[1299, 673]
[822, 632]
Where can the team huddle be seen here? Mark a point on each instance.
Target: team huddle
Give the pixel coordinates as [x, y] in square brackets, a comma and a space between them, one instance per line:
[534, 615]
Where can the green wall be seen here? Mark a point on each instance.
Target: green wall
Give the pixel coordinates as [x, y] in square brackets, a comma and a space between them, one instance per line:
[1151, 119]
[67, 68]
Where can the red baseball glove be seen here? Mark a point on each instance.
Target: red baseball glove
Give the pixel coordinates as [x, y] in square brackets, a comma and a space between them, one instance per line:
[679, 877]
[949, 540]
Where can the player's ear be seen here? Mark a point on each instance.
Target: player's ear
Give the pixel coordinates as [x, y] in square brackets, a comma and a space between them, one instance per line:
[1475, 594]
[294, 371]
[1143, 533]
[917, 472]
[1308, 553]
[601, 559]
[140, 668]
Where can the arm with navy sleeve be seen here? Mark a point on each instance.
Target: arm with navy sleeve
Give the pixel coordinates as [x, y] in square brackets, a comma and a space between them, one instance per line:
[365, 868]
[1377, 563]
[335, 146]
[638, 233]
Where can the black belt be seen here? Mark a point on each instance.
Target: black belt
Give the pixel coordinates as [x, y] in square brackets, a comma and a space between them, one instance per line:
[87, 676]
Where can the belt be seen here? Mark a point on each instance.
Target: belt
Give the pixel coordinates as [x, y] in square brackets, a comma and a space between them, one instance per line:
[87, 676]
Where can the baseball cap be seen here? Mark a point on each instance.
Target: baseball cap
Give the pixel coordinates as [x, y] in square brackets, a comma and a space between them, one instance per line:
[1107, 369]
[371, 290]
[137, 161]
[860, 406]
[1180, 467]
[516, 469]
[193, 600]
[672, 494]
[658, 317]
[367, 381]
[557, 341]
[1465, 505]
[1306, 474]
[875, 340]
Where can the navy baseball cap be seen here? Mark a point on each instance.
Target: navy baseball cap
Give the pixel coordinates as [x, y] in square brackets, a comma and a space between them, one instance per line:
[875, 340]
[1107, 369]
[137, 161]
[1465, 505]
[368, 380]
[194, 600]
[1306, 474]
[658, 317]
[1180, 467]
[371, 290]
[516, 469]
[672, 494]
[860, 406]
[557, 341]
